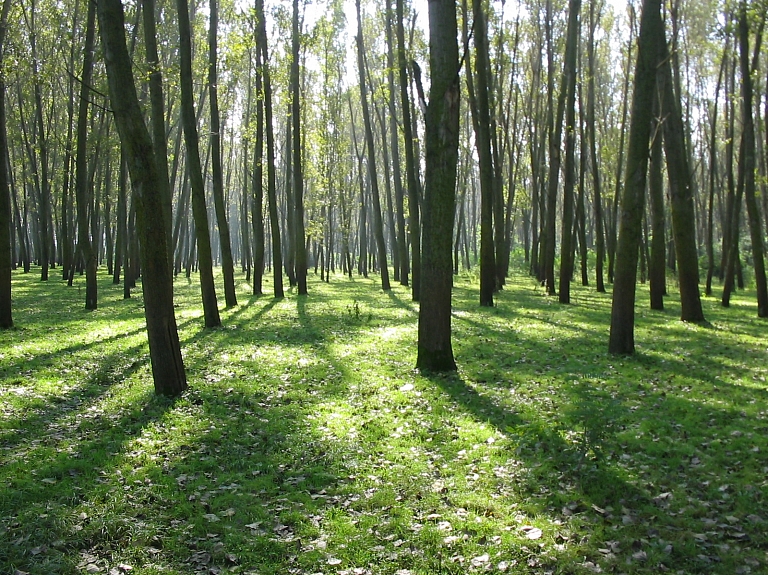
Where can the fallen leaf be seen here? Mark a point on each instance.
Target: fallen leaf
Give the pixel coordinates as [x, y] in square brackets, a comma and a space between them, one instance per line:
[334, 561]
[531, 532]
[211, 517]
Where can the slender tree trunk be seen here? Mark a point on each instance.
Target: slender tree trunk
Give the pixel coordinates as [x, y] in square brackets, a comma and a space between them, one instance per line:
[713, 179]
[435, 352]
[227, 262]
[617, 194]
[6, 315]
[210, 306]
[165, 352]
[377, 218]
[410, 161]
[747, 163]
[569, 86]
[82, 189]
[657, 266]
[274, 218]
[622, 339]
[298, 169]
[481, 120]
[257, 216]
[681, 193]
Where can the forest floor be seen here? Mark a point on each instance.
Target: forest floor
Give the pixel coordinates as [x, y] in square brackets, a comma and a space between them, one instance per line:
[308, 444]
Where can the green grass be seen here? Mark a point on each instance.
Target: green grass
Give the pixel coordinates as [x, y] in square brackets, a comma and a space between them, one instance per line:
[307, 443]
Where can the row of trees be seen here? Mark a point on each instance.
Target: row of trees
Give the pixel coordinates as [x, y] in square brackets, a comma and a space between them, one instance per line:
[537, 131]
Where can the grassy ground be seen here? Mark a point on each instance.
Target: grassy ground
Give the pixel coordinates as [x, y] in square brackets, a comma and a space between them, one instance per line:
[308, 444]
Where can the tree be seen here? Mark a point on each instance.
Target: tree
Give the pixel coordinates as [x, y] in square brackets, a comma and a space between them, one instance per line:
[298, 170]
[435, 352]
[200, 213]
[747, 164]
[6, 317]
[164, 349]
[622, 339]
[569, 85]
[227, 263]
[274, 221]
[481, 116]
[82, 191]
[374, 180]
[410, 161]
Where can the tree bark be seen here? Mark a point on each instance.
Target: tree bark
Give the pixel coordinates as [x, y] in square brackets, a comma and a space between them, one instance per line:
[298, 169]
[377, 218]
[199, 210]
[274, 218]
[622, 339]
[747, 163]
[681, 192]
[82, 189]
[6, 314]
[569, 86]
[410, 161]
[165, 352]
[435, 352]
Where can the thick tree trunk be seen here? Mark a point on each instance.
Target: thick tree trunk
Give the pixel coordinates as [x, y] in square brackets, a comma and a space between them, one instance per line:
[165, 353]
[199, 210]
[622, 339]
[435, 352]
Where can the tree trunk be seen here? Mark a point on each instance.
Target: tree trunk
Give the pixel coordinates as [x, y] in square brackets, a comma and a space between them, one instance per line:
[569, 86]
[200, 213]
[657, 266]
[274, 219]
[82, 189]
[6, 315]
[481, 120]
[159, 140]
[594, 163]
[298, 169]
[227, 262]
[713, 179]
[681, 193]
[410, 161]
[377, 218]
[747, 163]
[622, 339]
[165, 352]
[435, 352]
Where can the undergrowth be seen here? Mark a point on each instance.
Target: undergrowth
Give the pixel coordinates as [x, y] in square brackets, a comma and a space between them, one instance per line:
[307, 443]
